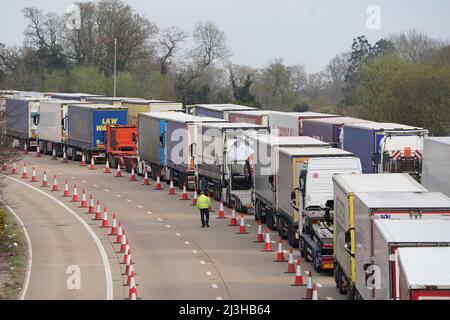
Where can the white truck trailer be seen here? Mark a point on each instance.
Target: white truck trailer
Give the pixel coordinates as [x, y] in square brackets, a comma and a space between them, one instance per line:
[291, 123]
[436, 164]
[344, 189]
[264, 175]
[422, 273]
[377, 265]
[304, 184]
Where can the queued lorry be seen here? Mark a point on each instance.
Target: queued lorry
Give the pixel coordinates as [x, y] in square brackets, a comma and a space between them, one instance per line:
[328, 129]
[219, 111]
[167, 142]
[122, 146]
[72, 96]
[259, 117]
[412, 283]
[265, 172]
[378, 264]
[304, 185]
[22, 119]
[224, 157]
[136, 106]
[344, 189]
[386, 147]
[436, 164]
[86, 127]
[291, 123]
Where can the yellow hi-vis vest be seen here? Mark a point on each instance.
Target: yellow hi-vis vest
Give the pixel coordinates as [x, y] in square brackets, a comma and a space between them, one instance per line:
[203, 202]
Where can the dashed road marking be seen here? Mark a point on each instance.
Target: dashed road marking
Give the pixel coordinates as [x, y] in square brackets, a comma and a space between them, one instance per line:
[107, 190]
[214, 285]
[194, 251]
[140, 207]
[119, 196]
[219, 298]
[149, 212]
[178, 234]
[168, 226]
[159, 219]
[202, 262]
[329, 298]
[83, 181]
[319, 285]
[209, 273]
[187, 243]
[128, 200]
[95, 186]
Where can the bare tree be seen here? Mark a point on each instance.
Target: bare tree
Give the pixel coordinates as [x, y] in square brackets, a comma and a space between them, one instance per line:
[336, 71]
[299, 77]
[169, 45]
[43, 30]
[414, 46]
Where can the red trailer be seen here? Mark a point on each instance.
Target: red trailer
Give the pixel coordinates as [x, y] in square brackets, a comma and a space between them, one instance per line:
[122, 146]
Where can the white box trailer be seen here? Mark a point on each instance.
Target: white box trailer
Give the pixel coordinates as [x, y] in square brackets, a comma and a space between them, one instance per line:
[422, 273]
[436, 164]
[260, 117]
[376, 278]
[52, 126]
[264, 173]
[291, 123]
[344, 189]
[219, 111]
[304, 182]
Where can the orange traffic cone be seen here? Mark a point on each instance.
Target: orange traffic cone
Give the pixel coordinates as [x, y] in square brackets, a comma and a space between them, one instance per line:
[298, 275]
[83, 200]
[267, 243]
[280, 253]
[126, 255]
[33, 176]
[24, 171]
[171, 189]
[233, 221]
[92, 166]
[66, 189]
[14, 169]
[4, 167]
[221, 214]
[75, 193]
[114, 226]
[130, 274]
[64, 160]
[83, 161]
[194, 200]
[25, 149]
[309, 287]
[211, 209]
[291, 265]
[259, 235]
[132, 292]
[98, 212]
[91, 205]
[123, 244]
[146, 180]
[54, 154]
[118, 172]
[55, 183]
[107, 168]
[44, 181]
[133, 175]
[119, 233]
[184, 195]
[158, 183]
[242, 227]
[105, 222]
[38, 151]
[315, 295]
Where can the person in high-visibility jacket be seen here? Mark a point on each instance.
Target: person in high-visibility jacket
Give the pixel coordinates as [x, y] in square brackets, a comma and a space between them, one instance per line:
[203, 203]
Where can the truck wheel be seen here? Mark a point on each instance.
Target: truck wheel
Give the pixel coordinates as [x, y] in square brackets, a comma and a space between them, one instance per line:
[112, 163]
[317, 266]
[257, 210]
[270, 220]
[301, 247]
[229, 203]
[291, 236]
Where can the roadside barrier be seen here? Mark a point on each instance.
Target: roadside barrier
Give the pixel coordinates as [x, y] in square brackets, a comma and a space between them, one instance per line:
[291, 265]
[267, 243]
[259, 234]
[242, 226]
[280, 253]
[298, 275]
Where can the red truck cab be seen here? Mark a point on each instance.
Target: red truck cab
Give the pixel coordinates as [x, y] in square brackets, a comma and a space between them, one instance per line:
[122, 146]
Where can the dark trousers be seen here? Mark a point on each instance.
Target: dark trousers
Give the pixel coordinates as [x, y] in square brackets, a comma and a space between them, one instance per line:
[204, 213]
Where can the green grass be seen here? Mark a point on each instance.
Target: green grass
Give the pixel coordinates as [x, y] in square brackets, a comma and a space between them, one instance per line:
[14, 259]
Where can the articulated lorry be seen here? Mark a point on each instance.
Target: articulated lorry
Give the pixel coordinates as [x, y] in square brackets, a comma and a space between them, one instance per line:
[86, 129]
[344, 189]
[219, 111]
[291, 123]
[304, 185]
[22, 119]
[122, 146]
[167, 142]
[378, 264]
[328, 129]
[72, 96]
[225, 161]
[422, 273]
[136, 106]
[436, 164]
[265, 172]
[386, 147]
[259, 117]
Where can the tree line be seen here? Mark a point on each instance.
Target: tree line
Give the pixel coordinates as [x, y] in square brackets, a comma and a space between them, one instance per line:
[403, 78]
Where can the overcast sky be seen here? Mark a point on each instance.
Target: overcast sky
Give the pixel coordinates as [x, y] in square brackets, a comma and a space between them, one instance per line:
[298, 31]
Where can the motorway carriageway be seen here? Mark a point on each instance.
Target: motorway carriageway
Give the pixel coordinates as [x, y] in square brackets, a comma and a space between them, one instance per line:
[174, 258]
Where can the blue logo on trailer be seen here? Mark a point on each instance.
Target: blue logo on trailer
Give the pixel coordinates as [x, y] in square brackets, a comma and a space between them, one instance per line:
[162, 145]
[102, 118]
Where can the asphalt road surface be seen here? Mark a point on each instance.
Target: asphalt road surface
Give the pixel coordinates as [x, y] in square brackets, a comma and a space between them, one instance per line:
[174, 258]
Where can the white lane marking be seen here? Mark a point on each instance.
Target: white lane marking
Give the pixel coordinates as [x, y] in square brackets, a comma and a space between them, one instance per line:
[202, 262]
[329, 298]
[214, 285]
[186, 243]
[194, 251]
[149, 212]
[30, 254]
[208, 273]
[319, 285]
[128, 200]
[219, 298]
[109, 281]
[140, 207]
[178, 234]
[107, 190]
[83, 181]
[95, 186]
[119, 196]
[168, 226]
[159, 219]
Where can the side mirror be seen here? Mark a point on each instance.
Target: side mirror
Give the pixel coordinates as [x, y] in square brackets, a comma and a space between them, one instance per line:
[294, 199]
[133, 137]
[374, 159]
